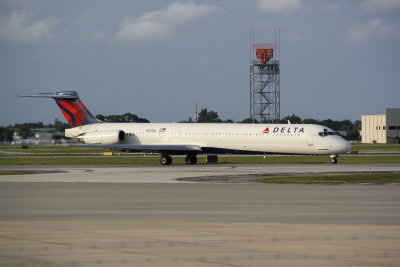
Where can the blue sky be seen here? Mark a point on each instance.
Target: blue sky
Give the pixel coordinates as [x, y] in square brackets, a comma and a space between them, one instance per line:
[156, 59]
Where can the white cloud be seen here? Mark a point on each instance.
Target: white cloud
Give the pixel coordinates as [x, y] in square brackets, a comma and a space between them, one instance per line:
[380, 5]
[279, 6]
[162, 23]
[373, 30]
[16, 28]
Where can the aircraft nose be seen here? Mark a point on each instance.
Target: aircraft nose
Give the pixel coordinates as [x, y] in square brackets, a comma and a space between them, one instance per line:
[342, 146]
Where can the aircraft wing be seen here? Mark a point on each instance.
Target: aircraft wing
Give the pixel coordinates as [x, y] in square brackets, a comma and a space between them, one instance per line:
[150, 148]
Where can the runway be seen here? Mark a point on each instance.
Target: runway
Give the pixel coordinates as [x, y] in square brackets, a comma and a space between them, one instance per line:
[143, 216]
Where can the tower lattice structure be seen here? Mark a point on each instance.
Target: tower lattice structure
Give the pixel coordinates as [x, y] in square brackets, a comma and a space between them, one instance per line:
[265, 83]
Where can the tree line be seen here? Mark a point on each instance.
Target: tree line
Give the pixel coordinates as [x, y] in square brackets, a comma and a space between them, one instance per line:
[351, 128]
[127, 117]
[25, 130]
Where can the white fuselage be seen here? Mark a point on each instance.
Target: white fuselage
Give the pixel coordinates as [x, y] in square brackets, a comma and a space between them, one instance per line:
[258, 138]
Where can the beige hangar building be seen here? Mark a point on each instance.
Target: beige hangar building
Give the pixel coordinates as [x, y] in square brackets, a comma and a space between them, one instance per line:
[383, 128]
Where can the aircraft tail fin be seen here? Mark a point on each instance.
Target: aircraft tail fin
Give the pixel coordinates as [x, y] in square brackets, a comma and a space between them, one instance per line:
[73, 109]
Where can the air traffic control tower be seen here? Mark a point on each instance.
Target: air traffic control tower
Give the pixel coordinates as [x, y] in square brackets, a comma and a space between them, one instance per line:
[265, 83]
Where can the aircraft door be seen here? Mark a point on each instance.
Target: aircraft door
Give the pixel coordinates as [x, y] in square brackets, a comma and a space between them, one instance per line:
[310, 141]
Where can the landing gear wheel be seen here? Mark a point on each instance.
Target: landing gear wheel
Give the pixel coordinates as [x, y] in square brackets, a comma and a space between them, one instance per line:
[334, 159]
[165, 160]
[191, 159]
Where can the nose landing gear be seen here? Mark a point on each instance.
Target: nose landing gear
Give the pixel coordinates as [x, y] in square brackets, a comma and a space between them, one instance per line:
[334, 159]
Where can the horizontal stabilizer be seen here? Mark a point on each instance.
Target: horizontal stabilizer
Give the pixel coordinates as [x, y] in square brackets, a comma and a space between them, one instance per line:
[59, 95]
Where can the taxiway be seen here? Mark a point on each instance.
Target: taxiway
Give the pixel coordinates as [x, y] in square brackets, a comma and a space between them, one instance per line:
[174, 173]
[143, 216]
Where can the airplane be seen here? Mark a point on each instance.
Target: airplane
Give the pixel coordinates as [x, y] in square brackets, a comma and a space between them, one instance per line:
[192, 139]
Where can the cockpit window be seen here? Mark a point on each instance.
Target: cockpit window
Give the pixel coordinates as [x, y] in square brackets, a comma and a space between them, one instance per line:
[326, 133]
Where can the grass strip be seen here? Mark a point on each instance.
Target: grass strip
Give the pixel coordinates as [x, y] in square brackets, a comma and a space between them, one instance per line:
[11, 173]
[311, 160]
[379, 147]
[375, 178]
[78, 160]
[201, 160]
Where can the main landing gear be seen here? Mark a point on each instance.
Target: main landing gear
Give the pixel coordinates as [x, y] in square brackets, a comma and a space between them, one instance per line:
[334, 159]
[191, 159]
[167, 159]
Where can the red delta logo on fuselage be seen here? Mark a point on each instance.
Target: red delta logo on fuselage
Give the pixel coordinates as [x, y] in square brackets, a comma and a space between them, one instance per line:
[285, 130]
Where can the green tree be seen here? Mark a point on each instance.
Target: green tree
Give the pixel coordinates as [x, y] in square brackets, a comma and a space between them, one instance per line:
[248, 120]
[311, 121]
[127, 117]
[100, 117]
[60, 126]
[208, 116]
[292, 118]
[24, 130]
[357, 125]
[114, 118]
[353, 133]
[6, 134]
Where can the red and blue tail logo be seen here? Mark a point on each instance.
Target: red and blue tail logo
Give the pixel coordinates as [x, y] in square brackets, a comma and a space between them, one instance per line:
[75, 112]
[71, 107]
